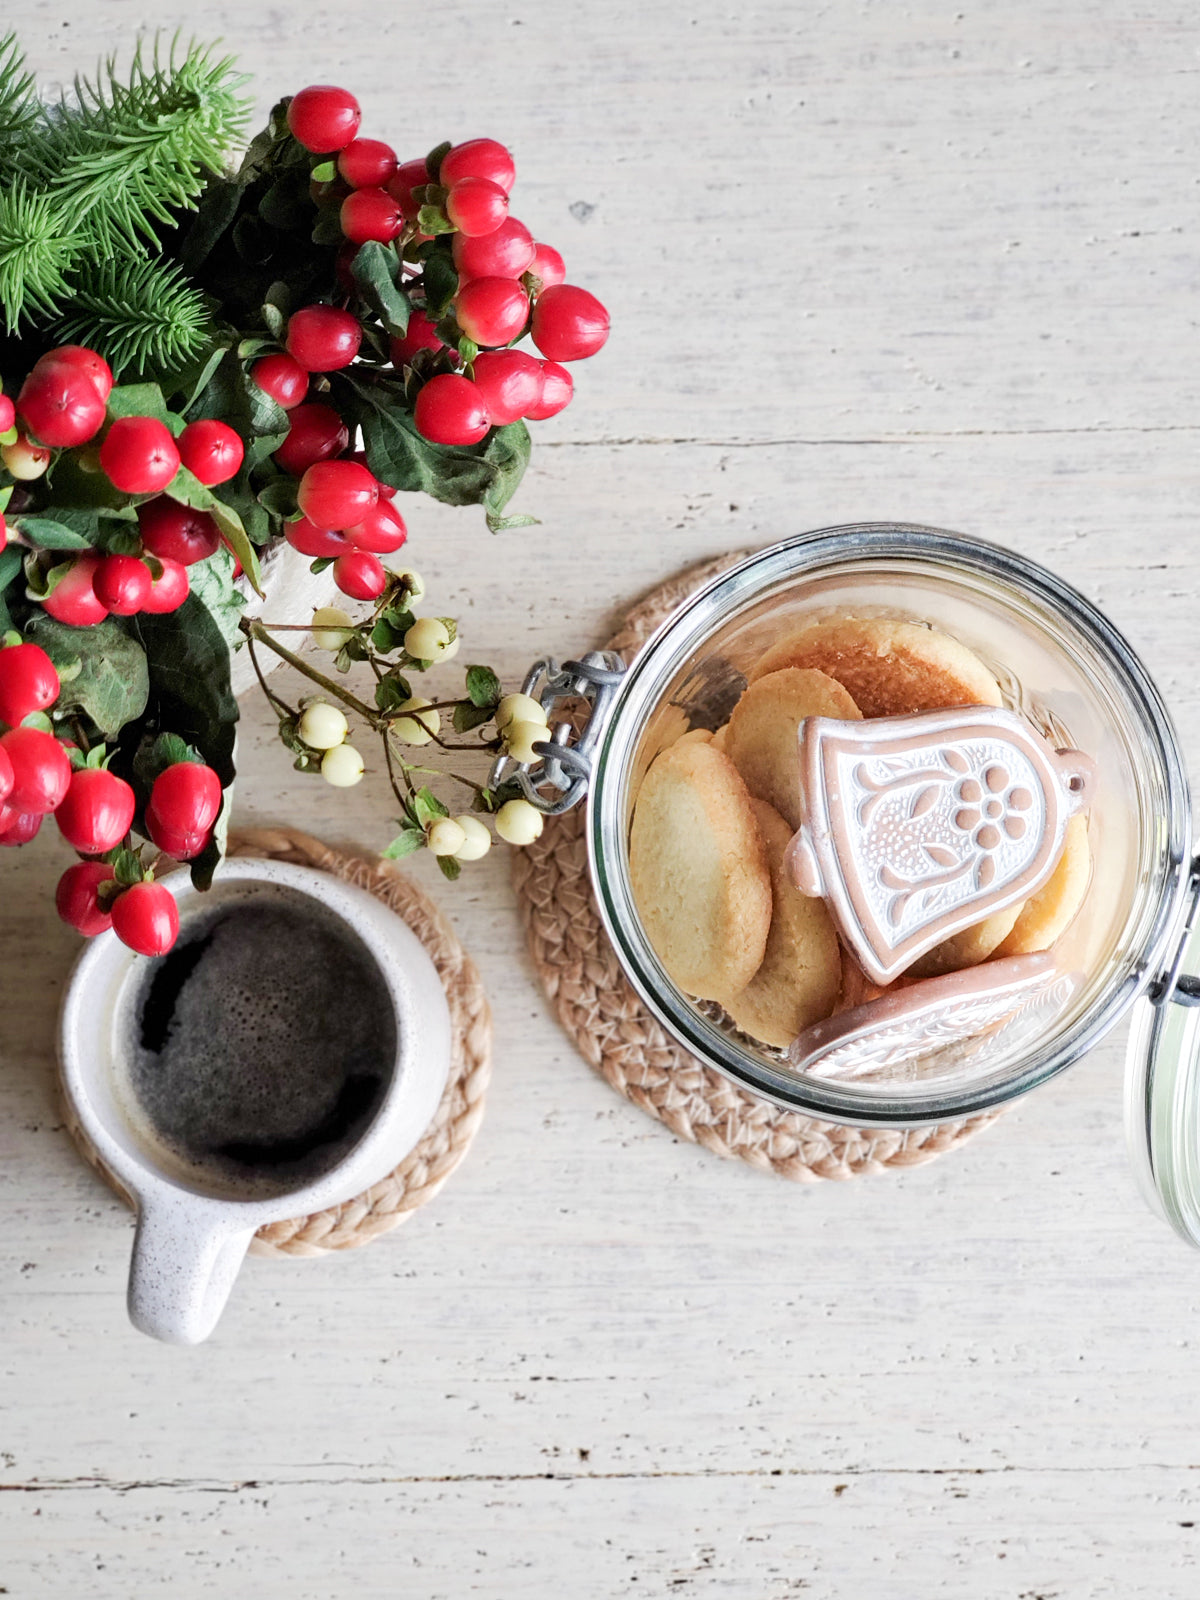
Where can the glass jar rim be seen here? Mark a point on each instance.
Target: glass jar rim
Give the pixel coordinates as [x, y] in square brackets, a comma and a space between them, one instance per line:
[697, 618]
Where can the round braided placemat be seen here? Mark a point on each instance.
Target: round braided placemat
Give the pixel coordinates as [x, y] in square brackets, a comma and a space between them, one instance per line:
[448, 1137]
[621, 1041]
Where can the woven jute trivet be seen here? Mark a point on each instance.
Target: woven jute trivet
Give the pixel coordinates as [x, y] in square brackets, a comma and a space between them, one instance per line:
[621, 1041]
[448, 1137]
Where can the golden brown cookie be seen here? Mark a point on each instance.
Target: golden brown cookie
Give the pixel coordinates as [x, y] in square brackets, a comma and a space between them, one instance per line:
[696, 736]
[762, 740]
[887, 667]
[798, 981]
[968, 948]
[721, 738]
[698, 871]
[1046, 914]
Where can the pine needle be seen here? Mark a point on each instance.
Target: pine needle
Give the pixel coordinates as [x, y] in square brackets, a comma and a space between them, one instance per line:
[36, 252]
[142, 313]
[125, 156]
[18, 97]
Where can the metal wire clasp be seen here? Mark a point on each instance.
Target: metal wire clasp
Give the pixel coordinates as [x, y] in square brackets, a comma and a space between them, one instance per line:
[566, 764]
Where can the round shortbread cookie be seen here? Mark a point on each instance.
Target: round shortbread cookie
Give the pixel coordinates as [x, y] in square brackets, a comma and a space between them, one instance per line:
[970, 947]
[761, 738]
[887, 667]
[698, 871]
[801, 972]
[720, 739]
[1046, 914]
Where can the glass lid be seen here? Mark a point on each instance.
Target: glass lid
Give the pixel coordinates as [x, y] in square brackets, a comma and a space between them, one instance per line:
[1162, 1082]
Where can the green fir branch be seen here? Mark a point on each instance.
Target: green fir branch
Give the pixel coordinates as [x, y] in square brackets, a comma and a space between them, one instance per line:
[139, 313]
[36, 253]
[125, 156]
[19, 109]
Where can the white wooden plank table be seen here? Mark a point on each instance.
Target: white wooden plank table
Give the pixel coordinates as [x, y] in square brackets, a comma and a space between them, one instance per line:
[933, 263]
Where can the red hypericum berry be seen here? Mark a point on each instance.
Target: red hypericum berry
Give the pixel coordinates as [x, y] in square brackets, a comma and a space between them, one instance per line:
[323, 118]
[60, 405]
[169, 590]
[8, 413]
[337, 494]
[547, 266]
[476, 206]
[381, 531]
[315, 433]
[367, 163]
[41, 770]
[556, 391]
[510, 381]
[7, 778]
[19, 827]
[316, 543]
[176, 532]
[77, 897]
[478, 158]
[211, 450]
[360, 575]
[569, 324]
[186, 797]
[386, 491]
[409, 175]
[370, 214]
[283, 379]
[122, 584]
[491, 311]
[322, 338]
[83, 360]
[138, 455]
[506, 253]
[28, 682]
[419, 335]
[450, 410]
[97, 811]
[73, 599]
[146, 918]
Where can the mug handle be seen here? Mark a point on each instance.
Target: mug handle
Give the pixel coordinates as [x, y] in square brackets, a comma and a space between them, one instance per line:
[186, 1256]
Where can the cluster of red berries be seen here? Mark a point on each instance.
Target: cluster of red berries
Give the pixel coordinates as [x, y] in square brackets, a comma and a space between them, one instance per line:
[509, 284]
[42, 775]
[347, 515]
[63, 405]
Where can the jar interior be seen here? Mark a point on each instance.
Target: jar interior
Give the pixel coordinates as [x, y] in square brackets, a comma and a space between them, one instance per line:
[1056, 661]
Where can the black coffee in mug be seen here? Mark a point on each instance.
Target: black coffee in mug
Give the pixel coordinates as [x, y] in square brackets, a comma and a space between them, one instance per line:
[258, 1050]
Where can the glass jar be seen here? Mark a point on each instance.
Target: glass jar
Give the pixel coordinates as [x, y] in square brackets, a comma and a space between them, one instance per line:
[1059, 661]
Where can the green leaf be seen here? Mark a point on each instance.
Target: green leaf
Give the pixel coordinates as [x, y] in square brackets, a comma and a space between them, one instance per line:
[467, 350]
[47, 533]
[10, 568]
[449, 867]
[433, 161]
[279, 497]
[156, 755]
[111, 686]
[273, 320]
[39, 720]
[139, 400]
[203, 867]
[324, 172]
[385, 638]
[376, 272]
[467, 716]
[404, 844]
[427, 807]
[212, 581]
[392, 691]
[507, 453]
[432, 219]
[190, 692]
[126, 865]
[483, 686]
[441, 284]
[502, 524]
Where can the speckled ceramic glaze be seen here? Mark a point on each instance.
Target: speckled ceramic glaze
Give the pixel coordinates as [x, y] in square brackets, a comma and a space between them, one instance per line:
[190, 1241]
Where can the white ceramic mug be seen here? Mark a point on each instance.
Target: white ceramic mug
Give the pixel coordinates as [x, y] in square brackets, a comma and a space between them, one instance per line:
[191, 1238]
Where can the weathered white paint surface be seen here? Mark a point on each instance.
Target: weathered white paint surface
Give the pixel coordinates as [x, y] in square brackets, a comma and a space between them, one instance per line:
[933, 262]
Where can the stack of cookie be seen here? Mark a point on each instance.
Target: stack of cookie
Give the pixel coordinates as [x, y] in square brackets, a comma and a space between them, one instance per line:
[716, 812]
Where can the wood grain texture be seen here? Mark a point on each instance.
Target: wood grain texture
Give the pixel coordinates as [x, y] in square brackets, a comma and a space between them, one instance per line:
[933, 263]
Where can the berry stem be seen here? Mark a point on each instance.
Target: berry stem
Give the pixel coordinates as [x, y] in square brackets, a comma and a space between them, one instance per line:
[256, 631]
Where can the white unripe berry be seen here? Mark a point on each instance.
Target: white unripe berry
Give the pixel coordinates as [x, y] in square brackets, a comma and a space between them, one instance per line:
[444, 837]
[322, 726]
[408, 730]
[519, 823]
[520, 737]
[451, 650]
[477, 841]
[342, 766]
[519, 708]
[428, 639]
[331, 627]
[24, 461]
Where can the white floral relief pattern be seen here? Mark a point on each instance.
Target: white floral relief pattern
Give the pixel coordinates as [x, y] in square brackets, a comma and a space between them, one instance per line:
[940, 826]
